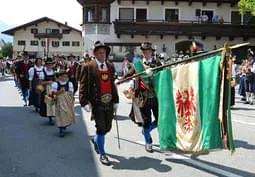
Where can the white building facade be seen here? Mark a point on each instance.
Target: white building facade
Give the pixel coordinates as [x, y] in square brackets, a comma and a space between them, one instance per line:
[170, 25]
[46, 37]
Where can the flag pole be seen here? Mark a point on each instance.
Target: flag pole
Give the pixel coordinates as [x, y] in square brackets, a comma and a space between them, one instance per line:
[194, 58]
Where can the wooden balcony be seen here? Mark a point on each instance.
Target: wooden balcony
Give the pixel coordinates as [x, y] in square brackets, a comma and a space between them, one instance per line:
[48, 35]
[182, 28]
[219, 2]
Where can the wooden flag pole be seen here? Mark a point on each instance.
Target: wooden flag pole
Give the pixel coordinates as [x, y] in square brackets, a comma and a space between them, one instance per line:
[194, 58]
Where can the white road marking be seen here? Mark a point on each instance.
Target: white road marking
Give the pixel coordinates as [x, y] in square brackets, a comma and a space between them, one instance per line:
[243, 122]
[194, 162]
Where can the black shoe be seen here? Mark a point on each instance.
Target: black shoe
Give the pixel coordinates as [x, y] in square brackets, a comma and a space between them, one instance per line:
[251, 103]
[246, 102]
[95, 145]
[25, 105]
[243, 99]
[104, 160]
[51, 122]
[61, 132]
[139, 124]
[148, 148]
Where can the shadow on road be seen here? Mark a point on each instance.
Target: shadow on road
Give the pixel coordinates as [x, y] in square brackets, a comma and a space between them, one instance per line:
[140, 163]
[242, 108]
[243, 144]
[31, 147]
[201, 166]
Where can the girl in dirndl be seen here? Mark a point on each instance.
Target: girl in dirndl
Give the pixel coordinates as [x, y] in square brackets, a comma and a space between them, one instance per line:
[63, 89]
[34, 81]
[47, 77]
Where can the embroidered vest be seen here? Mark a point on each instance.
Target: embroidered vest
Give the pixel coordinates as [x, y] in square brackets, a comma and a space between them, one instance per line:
[145, 80]
[66, 86]
[105, 82]
[48, 77]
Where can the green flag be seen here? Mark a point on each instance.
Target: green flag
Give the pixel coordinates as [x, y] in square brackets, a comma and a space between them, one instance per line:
[188, 97]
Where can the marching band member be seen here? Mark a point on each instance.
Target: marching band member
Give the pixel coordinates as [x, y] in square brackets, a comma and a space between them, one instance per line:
[34, 80]
[64, 110]
[145, 92]
[47, 77]
[21, 70]
[72, 70]
[97, 88]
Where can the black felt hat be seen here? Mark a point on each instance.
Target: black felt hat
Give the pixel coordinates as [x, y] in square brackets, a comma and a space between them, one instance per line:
[49, 61]
[99, 45]
[61, 72]
[24, 53]
[146, 46]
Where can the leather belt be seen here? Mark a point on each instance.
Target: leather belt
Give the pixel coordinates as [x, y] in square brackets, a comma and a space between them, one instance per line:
[106, 98]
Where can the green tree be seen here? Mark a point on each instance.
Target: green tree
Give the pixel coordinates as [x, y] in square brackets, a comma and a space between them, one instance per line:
[246, 5]
[7, 50]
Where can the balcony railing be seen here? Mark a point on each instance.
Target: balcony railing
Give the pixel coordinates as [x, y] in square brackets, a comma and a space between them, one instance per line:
[48, 35]
[189, 28]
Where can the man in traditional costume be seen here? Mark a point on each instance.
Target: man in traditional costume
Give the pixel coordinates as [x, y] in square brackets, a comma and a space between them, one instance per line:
[144, 91]
[34, 81]
[21, 70]
[97, 88]
[72, 70]
[61, 63]
[64, 110]
[47, 77]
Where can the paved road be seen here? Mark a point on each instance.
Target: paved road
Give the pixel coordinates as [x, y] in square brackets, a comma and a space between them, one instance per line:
[31, 148]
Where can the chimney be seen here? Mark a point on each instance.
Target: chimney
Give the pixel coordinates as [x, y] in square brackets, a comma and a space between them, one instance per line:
[66, 23]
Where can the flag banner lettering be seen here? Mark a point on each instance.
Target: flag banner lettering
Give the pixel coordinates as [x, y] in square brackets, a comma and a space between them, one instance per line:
[189, 97]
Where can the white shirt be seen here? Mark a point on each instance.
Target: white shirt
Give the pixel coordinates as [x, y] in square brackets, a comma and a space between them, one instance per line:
[42, 76]
[99, 64]
[54, 86]
[31, 72]
[147, 61]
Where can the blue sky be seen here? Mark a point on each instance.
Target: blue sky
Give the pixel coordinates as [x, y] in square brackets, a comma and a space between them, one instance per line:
[16, 12]
[3, 27]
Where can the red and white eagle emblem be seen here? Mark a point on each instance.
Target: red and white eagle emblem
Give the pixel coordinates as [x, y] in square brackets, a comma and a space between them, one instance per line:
[185, 107]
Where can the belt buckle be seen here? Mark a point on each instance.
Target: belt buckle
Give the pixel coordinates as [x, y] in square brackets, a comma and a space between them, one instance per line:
[106, 98]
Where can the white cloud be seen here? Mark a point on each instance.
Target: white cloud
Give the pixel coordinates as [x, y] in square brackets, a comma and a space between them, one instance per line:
[18, 12]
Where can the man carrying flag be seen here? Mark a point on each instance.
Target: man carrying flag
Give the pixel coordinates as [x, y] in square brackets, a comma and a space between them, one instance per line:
[144, 89]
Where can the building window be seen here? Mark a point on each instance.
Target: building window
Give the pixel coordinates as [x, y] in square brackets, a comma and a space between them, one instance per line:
[66, 31]
[34, 43]
[43, 43]
[55, 43]
[34, 30]
[236, 17]
[209, 13]
[21, 42]
[248, 19]
[52, 31]
[75, 43]
[91, 14]
[65, 43]
[55, 31]
[103, 15]
[141, 15]
[172, 15]
[126, 14]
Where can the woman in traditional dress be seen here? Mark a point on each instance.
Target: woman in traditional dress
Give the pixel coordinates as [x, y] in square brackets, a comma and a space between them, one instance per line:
[47, 77]
[34, 81]
[63, 90]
